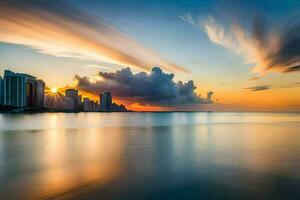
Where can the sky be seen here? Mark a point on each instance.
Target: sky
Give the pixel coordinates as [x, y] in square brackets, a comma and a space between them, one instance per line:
[160, 54]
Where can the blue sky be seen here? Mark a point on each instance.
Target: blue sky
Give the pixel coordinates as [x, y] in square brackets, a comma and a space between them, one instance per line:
[157, 25]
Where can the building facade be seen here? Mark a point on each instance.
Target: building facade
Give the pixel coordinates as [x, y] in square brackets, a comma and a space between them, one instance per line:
[73, 94]
[105, 101]
[90, 105]
[1, 91]
[21, 90]
[40, 93]
[14, 89]
[86, 104]
[30, 92]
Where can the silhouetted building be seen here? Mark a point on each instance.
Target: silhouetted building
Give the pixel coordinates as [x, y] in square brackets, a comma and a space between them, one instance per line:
[79, 99]
[59, 102]
[105, 101]
[1, 91]
[40, 93]
[80, 103]
[118, 108]
[86, 104]
[73, 94]
[90, 106]
[30, 91]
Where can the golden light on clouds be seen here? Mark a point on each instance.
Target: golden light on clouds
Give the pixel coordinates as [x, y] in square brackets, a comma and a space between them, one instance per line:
[69, 32]
[269, 50]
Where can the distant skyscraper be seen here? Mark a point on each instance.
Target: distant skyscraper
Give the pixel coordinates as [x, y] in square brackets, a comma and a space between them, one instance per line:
[80, 103]
[40, 93]
[90, 105]
[86, 104]
[105, 101]
[59, 102]
[73, 94]
[79, 99]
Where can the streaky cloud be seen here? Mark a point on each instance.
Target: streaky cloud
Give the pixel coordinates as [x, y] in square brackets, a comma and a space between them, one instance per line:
[154, 88]
[259, 88]
[187, 18]
[58, 28]
[255, 78]
[268, 49]
[268, 87]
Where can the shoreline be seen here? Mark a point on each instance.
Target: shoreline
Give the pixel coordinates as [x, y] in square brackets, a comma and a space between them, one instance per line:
[64, 111]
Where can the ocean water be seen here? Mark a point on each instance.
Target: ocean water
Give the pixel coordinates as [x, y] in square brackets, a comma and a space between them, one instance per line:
[152, 156]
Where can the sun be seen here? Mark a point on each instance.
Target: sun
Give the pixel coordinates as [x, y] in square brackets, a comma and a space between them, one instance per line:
[54, 90]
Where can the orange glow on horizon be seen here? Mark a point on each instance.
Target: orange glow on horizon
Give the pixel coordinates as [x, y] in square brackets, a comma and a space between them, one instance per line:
[225, 100]
[147, 108]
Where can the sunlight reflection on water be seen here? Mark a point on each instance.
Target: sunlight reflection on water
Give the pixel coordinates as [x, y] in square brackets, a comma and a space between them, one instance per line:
[150, 155]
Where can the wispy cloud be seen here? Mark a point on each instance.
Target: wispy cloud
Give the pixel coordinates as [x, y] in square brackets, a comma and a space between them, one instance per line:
[268, 87]
[268, 49]
[291, 85]
[216, 34]
[187, 18]
[259, 88]
[255, 78]
[59, 29]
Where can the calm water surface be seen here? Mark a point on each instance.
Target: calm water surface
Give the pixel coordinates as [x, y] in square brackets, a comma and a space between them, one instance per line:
[157, 156]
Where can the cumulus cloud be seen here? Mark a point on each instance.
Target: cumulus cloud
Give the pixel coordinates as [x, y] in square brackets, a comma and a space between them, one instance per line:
[268, 49]
[60, 29]
[259, 88]
[154, 88]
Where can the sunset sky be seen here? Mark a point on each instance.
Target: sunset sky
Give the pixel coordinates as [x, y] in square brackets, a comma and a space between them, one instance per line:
[246, 52]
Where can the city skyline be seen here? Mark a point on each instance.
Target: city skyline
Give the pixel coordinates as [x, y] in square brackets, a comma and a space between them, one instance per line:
[247, 54]
[22, 92]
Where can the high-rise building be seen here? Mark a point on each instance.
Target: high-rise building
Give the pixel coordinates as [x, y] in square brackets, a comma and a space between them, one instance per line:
[21, 90]
[59, 102]
[86, 104]
[40, 93]
[105, 101]
[79, 99]
[18, 89]
[30, 91]
[80, 103]
[90, 105]
[73, 94]
[1, 91]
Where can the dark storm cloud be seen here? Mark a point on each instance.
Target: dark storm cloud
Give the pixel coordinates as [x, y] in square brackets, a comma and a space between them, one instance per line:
[259, 88]
[154, 88]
